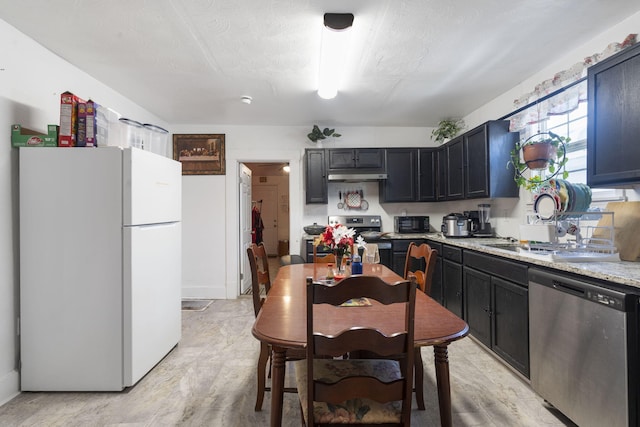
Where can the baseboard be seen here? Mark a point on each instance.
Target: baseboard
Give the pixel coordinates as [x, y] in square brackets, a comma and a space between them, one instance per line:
[9, 386]
[203, 292]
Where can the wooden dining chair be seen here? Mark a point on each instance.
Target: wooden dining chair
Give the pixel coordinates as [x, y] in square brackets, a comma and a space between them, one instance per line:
[259, 264]
[421, 264]
[328, 258]
[376, 390]
[324, 259]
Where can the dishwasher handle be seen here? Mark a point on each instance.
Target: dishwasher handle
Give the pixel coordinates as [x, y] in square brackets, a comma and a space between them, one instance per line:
[568, 288]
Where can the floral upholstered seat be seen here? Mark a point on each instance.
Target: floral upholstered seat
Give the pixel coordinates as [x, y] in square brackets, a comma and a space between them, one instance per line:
[355, 410]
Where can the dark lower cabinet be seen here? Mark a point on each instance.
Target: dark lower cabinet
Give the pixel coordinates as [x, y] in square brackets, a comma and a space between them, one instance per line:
[436, 281]
[477, 297]
[399, 254]
[511, 323]
[452, 279]
[497, 309]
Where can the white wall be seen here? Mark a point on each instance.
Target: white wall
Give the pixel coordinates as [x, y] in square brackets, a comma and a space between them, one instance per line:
[31, 81]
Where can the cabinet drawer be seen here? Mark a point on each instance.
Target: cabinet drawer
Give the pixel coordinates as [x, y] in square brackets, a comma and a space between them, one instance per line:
[435, 245]
[497, 266]
[452, 253]
[403, 245]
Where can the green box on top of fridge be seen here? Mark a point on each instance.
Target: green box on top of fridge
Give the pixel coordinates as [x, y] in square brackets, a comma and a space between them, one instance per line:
[23, 137]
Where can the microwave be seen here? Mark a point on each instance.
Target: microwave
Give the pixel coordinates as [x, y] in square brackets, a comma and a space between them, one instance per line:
[411, 224]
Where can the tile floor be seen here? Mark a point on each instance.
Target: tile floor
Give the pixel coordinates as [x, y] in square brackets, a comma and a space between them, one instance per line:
[208, 380]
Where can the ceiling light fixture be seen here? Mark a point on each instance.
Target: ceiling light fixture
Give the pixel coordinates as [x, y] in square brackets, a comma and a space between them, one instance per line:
[286, 168]
[246, 99]
[333, 52]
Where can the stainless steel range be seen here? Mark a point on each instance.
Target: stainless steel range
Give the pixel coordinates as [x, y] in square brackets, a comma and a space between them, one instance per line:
[359, 223]
[362, 223]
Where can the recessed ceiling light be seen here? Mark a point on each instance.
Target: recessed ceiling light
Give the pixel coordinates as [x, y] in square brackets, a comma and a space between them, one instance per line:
[246, 99]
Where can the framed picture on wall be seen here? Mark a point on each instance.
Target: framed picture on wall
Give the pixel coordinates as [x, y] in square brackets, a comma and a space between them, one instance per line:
[200, 154]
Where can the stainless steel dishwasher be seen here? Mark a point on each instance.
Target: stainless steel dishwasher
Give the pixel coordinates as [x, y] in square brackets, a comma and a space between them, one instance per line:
[583, 346]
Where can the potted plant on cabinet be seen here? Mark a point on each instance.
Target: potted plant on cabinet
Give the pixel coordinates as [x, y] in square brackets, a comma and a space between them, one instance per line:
[447, 129]
[317, 134]
[544, 152]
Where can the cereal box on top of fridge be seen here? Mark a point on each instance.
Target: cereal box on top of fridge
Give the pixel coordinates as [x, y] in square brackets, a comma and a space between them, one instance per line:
[67, 136]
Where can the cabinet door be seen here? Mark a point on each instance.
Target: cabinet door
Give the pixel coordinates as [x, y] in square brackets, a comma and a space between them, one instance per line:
[400, 185]
[510, 335]
[455, 169]
[341, 158]
[370, 158]
[613, 152]
[476, 176]
[477, 304]
[436, 283]
[399, 259]
[359, 158]
[427, 170]
[441, 174]
[315, 176]
[452, 286]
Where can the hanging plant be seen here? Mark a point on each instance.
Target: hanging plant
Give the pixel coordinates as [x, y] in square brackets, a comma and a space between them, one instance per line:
[447, 129]
[317, 134]
[543, 152]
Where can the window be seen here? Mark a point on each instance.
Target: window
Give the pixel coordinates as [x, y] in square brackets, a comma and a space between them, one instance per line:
[557, 116]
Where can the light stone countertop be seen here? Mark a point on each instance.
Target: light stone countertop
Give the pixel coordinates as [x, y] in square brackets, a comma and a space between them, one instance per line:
[619, 272]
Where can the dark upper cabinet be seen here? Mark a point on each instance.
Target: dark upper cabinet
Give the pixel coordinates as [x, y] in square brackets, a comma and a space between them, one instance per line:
[410, 176]
[402, 172]
[356, 158]
[455, 169]
[315, 176]
[427, 170]
[487, 150]
[613, 125]
[441, 174]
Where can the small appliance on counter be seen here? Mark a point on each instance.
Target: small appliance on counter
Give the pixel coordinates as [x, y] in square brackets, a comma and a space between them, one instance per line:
[479, 224]
[411, 224]
[456, 225]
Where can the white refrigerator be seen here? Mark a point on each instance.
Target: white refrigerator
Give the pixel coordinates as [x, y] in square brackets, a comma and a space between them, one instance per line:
[100, 266]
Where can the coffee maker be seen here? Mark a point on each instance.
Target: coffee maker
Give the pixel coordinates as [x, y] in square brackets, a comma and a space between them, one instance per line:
[474, 221]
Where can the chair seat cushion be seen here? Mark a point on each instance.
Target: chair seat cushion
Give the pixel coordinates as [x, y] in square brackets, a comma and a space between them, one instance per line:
[355, 410]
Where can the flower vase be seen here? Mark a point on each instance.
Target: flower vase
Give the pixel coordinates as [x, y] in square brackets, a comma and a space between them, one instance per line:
[341, 260]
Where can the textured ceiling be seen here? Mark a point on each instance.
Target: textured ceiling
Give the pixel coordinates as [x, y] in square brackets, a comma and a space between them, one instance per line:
[412, 62]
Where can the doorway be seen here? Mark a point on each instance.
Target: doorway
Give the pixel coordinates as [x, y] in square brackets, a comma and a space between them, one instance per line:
[269, 196]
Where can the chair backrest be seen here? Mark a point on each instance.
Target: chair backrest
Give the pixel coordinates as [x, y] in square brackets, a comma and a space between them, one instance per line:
[259, 264]
[424, 277]
[324, 258]
[328, 258]
[396, 345]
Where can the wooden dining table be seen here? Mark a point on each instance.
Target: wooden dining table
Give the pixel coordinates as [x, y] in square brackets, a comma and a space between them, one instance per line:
[282, 324]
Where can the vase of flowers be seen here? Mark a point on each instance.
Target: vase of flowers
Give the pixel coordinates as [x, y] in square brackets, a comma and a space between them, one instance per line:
[339, 239]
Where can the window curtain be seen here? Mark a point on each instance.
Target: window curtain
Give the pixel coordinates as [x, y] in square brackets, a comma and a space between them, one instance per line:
[564, 101]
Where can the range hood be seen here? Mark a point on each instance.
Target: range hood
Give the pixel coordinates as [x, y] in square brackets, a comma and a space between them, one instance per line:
[356, 177]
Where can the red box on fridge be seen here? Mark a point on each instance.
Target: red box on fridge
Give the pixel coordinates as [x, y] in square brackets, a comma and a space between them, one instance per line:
[67, 136]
